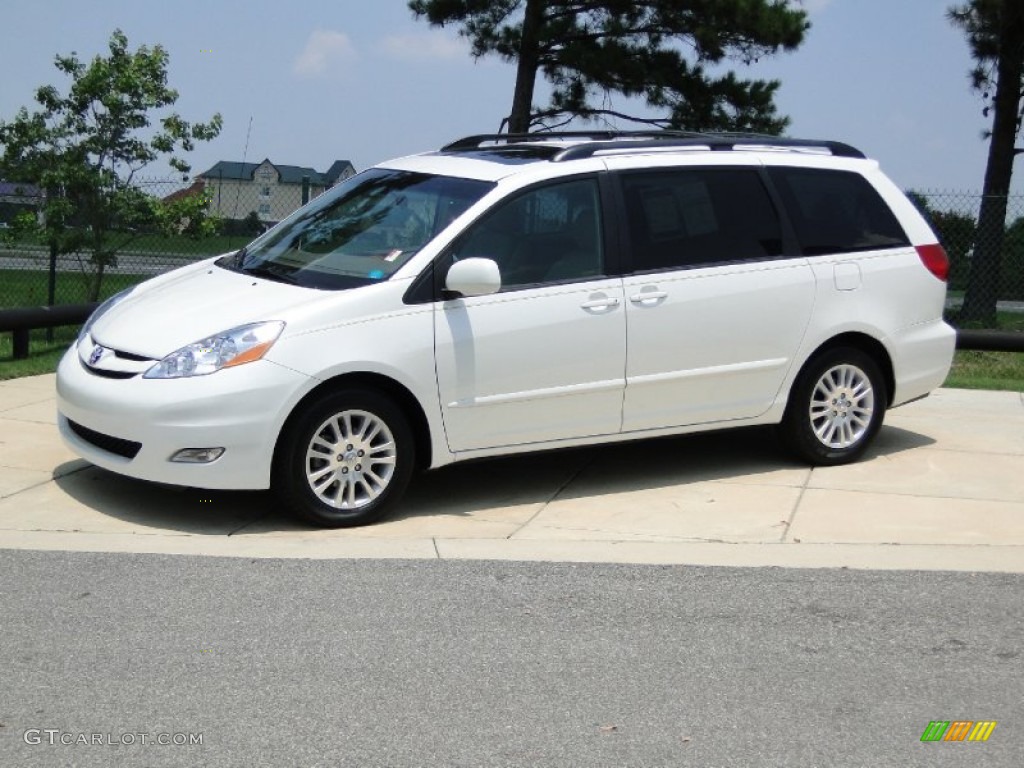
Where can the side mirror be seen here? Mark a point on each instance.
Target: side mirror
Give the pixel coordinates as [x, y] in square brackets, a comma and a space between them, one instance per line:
[473, 277]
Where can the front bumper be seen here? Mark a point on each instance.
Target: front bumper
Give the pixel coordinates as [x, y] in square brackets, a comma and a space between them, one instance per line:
[239, 409]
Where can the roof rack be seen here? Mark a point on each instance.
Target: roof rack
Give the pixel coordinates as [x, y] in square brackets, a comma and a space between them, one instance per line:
[603, 141]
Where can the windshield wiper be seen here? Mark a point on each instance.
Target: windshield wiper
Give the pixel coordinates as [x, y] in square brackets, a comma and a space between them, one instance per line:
[232, 261]
[267, 271]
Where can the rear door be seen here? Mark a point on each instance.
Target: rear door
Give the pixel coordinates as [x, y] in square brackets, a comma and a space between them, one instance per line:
[717, 302]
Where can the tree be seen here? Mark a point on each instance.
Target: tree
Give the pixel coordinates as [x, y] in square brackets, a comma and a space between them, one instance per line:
[995, 33]
[956, 233]
[1013, 261]
[654, 49]
[83, 149]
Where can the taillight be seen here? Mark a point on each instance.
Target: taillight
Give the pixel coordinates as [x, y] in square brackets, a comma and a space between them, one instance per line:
[934, 259]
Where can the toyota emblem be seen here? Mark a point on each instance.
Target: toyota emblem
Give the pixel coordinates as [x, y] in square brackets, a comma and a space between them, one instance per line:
[96, 354]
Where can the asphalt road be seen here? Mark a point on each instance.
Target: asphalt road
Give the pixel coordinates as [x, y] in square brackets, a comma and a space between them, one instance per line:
[427, 663]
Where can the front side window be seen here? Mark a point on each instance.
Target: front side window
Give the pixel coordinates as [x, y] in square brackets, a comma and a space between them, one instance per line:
[360, 232]
[699, 217]
[545, 235]
[836, 211]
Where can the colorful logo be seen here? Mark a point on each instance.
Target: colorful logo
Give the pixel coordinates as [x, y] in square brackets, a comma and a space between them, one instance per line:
[958, 730]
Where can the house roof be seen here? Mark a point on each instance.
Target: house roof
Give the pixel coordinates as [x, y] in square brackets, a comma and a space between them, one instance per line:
[196, 189]
[18, 189]
[290, 174]
[338, 167]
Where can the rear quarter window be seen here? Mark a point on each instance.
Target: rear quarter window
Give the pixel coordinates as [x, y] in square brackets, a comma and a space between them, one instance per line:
[836, 211]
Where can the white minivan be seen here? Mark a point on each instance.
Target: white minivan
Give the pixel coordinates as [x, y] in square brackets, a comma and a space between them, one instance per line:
[518, 293]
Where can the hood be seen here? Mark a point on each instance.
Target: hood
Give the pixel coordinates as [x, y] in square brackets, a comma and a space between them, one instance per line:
[189, 304]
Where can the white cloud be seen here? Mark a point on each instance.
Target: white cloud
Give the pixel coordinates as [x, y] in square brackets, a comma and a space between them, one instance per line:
[425, 45]
[324, 49]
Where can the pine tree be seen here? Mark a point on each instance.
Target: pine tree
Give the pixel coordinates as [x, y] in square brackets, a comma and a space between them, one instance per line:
[995, 33]
[657, 50]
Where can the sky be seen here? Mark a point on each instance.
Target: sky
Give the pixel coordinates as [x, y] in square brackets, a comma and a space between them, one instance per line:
[362, 80]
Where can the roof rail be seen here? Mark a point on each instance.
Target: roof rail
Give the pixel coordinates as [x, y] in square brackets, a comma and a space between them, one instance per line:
[603, 141]
[476, 141]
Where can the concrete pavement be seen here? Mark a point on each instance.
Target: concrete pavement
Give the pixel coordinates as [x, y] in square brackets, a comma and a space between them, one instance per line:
[942, 488]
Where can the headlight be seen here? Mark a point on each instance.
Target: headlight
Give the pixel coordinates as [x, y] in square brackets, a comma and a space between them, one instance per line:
[100, 311]
[223, 350]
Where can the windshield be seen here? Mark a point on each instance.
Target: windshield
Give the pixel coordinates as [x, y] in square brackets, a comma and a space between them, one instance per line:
[359, 232]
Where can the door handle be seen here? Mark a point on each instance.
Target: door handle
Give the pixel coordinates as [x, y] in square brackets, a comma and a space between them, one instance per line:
[607, 303]
[643, 296]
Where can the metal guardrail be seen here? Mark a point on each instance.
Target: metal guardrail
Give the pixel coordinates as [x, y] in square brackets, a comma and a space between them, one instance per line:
[21, 321]
[995, 341]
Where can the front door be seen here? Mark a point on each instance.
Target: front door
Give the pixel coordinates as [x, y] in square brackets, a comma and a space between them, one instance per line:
[543, 359]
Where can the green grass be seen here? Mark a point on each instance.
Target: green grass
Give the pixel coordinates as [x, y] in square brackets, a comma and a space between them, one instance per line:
[976, 369]
[154, 243]
[43, 355]
[27, 288]
[207, 246]
[1010, 321]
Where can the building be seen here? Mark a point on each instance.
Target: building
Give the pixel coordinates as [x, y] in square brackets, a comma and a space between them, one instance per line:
[272, 191]
[17, 198]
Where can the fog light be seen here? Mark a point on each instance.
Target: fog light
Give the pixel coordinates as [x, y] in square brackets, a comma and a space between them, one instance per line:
[197, 455]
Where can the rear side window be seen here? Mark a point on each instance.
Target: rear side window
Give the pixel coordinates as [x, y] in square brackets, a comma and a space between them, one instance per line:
[698, 217]
[836, 211]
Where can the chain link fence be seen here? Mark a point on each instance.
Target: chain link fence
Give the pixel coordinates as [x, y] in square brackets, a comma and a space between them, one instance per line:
[954, 217]
[29, 276]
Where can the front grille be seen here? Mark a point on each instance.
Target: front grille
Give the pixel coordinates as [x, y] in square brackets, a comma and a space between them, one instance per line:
[118, 354]
[108, 374]
[116, 445]
[131, 356]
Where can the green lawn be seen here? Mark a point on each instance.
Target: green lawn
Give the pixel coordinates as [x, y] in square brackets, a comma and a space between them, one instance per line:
[975, 369]
[207, 246]
[1010, 321]
[27, 288]
[177, 244]
[43, 355]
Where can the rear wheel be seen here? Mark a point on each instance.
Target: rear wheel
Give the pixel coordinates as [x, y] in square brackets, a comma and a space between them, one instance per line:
[835, 408]
[346, 460]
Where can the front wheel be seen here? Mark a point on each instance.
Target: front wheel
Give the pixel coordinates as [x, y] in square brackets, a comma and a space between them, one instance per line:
[835, 408]
[345, 460]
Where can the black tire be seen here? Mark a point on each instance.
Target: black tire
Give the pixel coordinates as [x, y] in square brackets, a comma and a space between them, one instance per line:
[365, 473]
[835, 408]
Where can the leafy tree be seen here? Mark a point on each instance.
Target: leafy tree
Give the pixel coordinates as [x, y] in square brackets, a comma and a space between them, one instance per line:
[995, 33]
[654, 49]
[956, 233]
[188, 215]
[83, 149]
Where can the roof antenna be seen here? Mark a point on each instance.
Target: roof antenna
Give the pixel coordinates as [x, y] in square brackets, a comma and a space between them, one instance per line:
[245, 153]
